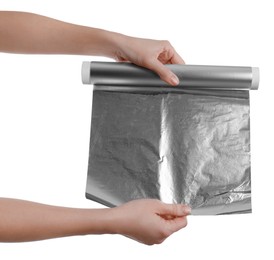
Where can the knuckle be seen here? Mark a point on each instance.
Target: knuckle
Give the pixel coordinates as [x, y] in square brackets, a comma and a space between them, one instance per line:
[165, 42]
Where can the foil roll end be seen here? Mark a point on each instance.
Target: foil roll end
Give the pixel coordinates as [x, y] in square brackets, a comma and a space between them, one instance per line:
[255, 78]
[86, 66]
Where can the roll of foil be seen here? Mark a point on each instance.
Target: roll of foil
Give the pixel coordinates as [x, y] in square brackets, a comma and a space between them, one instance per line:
[190, 76]
[188, 145]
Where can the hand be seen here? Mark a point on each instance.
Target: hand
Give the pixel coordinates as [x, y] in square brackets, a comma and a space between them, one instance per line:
[152, 54]
[39, 34]
[149, 221]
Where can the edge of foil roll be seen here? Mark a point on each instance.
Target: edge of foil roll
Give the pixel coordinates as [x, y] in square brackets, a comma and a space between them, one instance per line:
[85, 72]
[255, 78]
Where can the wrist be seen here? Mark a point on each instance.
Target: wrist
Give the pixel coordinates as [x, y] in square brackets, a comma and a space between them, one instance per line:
[105, 43]
[113, 44]
[100, 221]
[116, 221]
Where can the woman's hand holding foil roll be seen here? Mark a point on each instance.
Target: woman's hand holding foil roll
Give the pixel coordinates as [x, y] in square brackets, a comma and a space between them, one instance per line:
[151, 54]
[22, 32]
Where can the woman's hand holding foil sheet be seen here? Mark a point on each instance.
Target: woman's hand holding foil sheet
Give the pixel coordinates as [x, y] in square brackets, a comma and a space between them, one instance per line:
[149, 221]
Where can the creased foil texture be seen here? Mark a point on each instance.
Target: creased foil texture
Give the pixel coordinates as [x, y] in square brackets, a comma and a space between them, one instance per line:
[180, 148]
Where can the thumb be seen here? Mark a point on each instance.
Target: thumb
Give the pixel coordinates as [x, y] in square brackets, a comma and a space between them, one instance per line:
[174, 210]
[164, 73]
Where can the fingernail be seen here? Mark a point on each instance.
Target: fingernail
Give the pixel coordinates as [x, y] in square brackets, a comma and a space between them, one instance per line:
[174, 80]
[187, 210]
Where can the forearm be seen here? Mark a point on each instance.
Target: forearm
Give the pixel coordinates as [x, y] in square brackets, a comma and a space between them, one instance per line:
[31, 33]
[26, 221]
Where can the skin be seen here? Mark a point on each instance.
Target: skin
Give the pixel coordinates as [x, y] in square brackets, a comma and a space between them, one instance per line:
[147, 221]
[31, 33]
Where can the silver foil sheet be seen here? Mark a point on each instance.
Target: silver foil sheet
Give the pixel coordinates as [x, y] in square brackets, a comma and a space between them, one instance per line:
[179, 145]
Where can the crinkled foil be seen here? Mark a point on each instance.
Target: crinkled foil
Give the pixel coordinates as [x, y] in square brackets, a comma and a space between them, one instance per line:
[178, 148]
[184, 145]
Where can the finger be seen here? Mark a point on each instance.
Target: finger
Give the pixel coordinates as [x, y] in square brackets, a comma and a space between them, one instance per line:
[177, 224]
[177, 59]
[165, 74]
[175, 210]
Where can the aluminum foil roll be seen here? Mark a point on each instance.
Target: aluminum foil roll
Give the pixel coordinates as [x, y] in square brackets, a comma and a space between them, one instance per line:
[190, 76]
[187, 145]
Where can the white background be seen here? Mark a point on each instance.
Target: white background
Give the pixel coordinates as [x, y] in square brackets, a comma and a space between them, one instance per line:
[45, 116]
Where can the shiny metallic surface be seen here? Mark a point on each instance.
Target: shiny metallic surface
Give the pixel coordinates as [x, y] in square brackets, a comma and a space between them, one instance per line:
[188, 146]
[190, 76]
